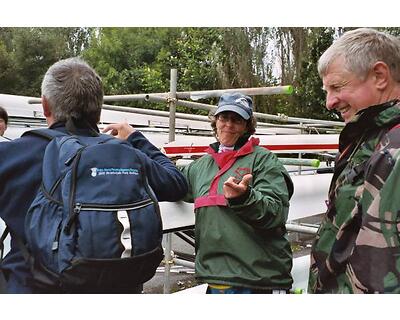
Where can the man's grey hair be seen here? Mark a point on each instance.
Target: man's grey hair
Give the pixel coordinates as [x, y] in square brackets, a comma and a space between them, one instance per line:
[73, 90]
[361, 49]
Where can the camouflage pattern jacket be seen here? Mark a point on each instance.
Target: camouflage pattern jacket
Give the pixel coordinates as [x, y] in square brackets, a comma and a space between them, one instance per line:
[357, 248]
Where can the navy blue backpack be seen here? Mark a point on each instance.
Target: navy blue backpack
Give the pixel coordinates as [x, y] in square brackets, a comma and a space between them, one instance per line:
[95, 223]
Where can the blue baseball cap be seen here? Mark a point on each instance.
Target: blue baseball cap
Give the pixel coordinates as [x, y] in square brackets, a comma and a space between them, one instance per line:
[236, 102]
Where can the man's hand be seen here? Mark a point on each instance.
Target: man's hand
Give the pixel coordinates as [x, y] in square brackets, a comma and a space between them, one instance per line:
[233, 188]
[119, 130]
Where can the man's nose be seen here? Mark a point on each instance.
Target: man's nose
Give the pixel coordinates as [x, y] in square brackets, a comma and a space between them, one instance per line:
[331, 101]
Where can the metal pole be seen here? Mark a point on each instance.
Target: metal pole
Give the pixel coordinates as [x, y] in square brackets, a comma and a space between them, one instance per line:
[172, 104]
[168, 238]
[285, 161]
[183, 103]
[279, 117]
[159, 113]
[299, 170]
[196, 117]
[196, 95]
[184, 263]
[167, 262]
[301, 229]
[300, 162]
[195, 105]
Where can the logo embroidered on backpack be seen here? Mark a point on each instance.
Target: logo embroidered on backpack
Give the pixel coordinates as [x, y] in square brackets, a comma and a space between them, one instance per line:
[115, 171]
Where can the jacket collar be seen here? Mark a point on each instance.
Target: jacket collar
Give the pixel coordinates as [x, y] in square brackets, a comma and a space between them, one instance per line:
[224, 157]
[239, 143]
[83, 130]
[369, 120]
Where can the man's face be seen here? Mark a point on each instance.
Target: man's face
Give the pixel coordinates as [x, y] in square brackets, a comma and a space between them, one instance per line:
[346, 93]
[3, 126]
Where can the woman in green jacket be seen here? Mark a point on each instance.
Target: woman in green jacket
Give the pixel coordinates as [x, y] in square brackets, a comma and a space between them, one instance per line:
[241, 195]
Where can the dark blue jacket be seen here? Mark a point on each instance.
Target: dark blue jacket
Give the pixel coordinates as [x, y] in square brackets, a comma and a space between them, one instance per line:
[20, 177]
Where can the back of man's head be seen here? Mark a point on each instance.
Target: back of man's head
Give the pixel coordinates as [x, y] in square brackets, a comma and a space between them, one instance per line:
[361, 49]
[73, 90]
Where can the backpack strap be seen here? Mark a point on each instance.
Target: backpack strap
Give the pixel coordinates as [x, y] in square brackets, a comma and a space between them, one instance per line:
[46, 133]
[20, 244]
[18, 240]
[3, 280]
[147, 185]
[2, 238]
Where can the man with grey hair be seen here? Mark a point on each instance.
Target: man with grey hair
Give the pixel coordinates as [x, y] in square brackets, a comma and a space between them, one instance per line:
[72, 97]
[72, 90]
[357, 248]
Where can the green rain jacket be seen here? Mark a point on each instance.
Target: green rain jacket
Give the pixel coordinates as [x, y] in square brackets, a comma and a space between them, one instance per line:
[241, 242]
[357, 249]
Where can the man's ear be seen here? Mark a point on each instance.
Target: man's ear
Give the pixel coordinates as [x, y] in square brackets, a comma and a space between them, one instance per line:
[382, 75]
[47, 111]
[46, 108]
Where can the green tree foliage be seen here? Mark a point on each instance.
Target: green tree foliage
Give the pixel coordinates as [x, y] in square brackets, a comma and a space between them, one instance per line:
[391, 30]
[124, 58]
[26, 53]
[196, 56]
[138, 60]
[236, 69]
[309, 98]
[8, 75]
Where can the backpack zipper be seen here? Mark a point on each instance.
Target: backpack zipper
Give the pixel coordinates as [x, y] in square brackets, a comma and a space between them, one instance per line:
[115, 207]
[72, 211]
[121, 211]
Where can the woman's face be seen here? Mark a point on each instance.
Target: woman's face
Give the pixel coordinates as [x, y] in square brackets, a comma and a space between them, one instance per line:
[3, 126]
[230, 127]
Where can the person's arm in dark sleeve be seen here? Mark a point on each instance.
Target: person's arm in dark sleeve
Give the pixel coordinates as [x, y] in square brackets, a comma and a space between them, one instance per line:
[165, 179]
[20, 176]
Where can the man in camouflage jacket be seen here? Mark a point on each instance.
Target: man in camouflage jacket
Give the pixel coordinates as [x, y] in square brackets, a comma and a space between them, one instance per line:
[357, 248]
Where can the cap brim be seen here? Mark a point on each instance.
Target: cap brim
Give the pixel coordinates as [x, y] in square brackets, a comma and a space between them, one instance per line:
[235, 109]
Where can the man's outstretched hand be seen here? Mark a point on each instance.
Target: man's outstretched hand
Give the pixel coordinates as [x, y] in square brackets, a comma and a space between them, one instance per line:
[119, 130]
